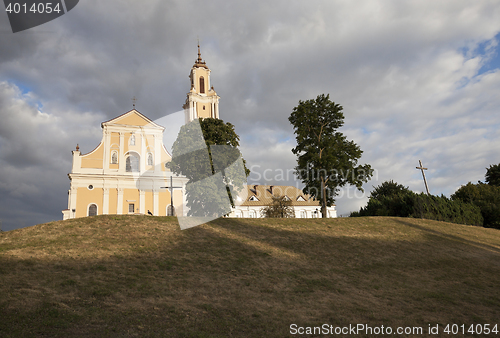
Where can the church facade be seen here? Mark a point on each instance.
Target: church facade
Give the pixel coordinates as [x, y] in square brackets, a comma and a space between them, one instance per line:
[127, 174]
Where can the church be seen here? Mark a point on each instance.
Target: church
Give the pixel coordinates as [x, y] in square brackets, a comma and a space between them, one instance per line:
[127, 173]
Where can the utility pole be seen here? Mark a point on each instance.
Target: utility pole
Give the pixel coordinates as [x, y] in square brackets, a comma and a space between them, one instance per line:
[423, 175]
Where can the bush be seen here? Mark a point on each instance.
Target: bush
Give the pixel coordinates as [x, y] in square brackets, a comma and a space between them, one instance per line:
[391, 199]
[484, 196]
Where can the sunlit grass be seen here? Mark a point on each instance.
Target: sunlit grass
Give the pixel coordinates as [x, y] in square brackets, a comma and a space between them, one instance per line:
[142, 276]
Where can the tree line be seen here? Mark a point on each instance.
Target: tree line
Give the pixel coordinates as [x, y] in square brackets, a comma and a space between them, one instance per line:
[473, 204]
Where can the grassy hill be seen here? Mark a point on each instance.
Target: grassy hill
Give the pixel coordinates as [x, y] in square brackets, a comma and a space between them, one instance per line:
[140, 276]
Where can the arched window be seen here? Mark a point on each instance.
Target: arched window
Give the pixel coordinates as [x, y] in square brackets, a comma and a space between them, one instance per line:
[132, 163]
[150, 159]
[303, 214]
[202, 85]
[92, 210]
[114, 157]
[252, 214]
[170, 210]
[132, 140]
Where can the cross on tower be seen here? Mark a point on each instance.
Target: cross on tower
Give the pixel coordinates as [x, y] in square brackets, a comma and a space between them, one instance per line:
[134, 100]
[171, 188]
[423, 175]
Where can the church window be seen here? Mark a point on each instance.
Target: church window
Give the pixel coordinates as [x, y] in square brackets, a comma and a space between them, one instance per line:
[92, 210]
[203, 107]
[170, 210]
[132, 163]
[303, 214]
[132, 140]
[114, 157]
[131, 208]
[150, 159]
[202, 85]
[91, 187]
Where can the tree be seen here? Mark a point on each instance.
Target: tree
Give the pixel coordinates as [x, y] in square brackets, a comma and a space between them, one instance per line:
[206, 152]
[392, 199]
[280, 207]
[326, 160]
[484, 196]
[493, 175]
[389, 189]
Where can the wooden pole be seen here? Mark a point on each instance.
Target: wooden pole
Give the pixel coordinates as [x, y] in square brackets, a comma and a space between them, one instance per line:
[423, 175]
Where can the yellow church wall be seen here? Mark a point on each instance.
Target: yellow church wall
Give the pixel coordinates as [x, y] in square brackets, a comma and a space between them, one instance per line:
[177, 201]
[87, 197]
[164, 200]
[149, 203]
[199, 73]
[204, 113]
[132, 120]
[113, 201]
[94, 158]
[131, 195]
[165, 157]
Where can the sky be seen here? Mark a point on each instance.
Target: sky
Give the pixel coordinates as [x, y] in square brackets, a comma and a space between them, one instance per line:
[418, 80]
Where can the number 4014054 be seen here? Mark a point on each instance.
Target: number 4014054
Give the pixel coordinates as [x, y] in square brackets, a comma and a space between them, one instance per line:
[473, 329]
[40, 7]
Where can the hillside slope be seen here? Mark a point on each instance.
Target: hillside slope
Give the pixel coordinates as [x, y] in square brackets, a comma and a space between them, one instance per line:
[142, 276]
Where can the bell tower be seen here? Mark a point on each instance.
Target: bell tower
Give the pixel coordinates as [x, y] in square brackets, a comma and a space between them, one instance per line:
[202, 101]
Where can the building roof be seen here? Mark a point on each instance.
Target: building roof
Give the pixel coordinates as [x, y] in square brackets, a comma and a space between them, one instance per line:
[261, 195]
[199, 62]
[132, 118]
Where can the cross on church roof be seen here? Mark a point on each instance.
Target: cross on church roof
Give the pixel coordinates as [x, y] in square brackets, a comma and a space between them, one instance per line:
[134, 100]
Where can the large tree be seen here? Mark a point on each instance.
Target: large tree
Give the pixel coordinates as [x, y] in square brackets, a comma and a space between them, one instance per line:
[326, 160]
[493, 175]
[206, 152]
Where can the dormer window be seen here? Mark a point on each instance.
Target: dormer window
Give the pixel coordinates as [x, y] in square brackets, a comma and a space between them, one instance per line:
[253, 199]
[202, 85]
[301, 199]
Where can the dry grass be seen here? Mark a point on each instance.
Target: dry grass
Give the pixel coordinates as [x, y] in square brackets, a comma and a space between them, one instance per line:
[142, 276]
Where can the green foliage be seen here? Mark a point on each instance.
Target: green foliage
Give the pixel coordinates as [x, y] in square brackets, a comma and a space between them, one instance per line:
[326, 160]
[206, 152]
[493, 175]
[389, 188]
[486, 197]
[279, 208]
[392, 199]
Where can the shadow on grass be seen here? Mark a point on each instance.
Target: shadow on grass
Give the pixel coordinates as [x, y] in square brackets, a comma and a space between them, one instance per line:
[242, 278]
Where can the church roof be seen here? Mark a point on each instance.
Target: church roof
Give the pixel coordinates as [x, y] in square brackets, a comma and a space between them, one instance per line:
[199, 62]
[132, 118]
[261, 195]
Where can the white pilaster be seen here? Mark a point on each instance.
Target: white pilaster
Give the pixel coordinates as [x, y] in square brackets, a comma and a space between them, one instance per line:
[121, 161]
[157, 154]
[142, 201]
[156, 202]
[119, 207]
[143, 155]
[105, 201]
[106, 140]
